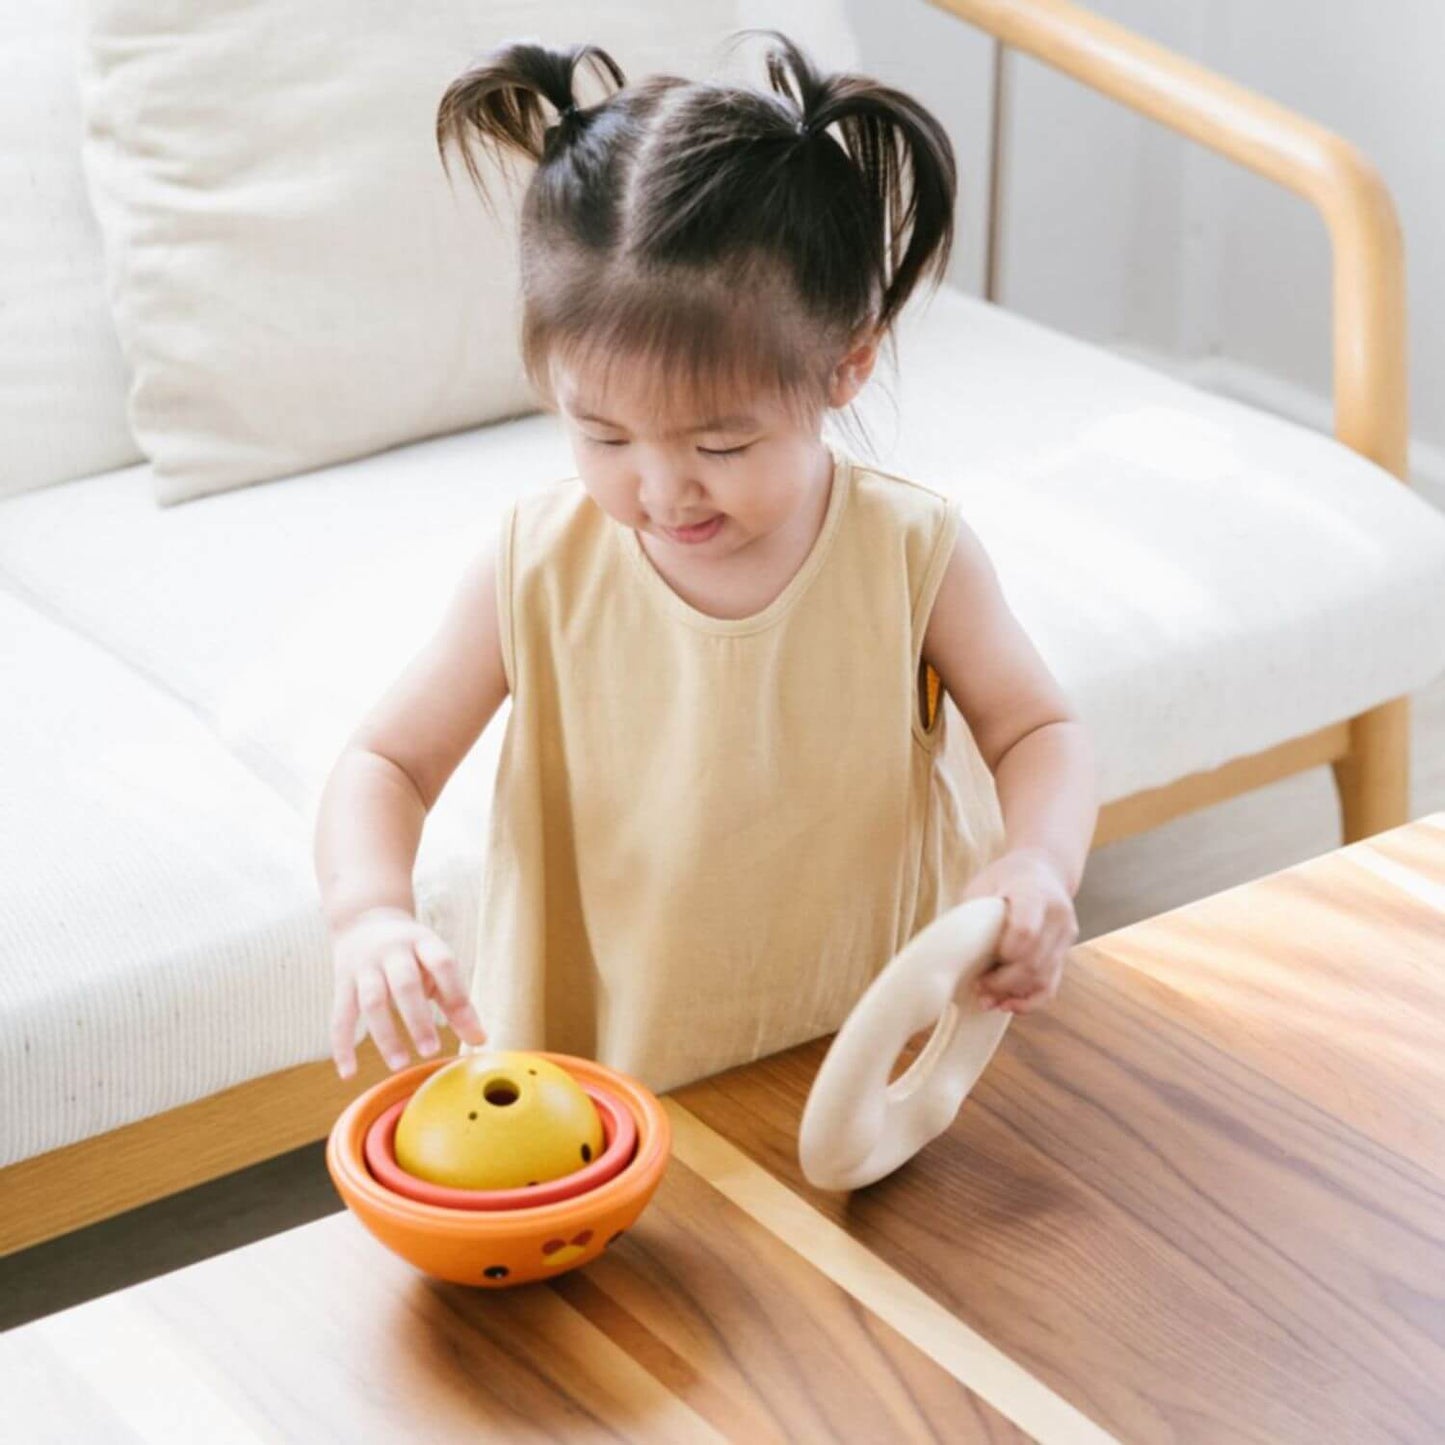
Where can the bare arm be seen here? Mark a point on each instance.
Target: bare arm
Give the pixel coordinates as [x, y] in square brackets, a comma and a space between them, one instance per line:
[1028, 734]
[396, 763]
[369, 825]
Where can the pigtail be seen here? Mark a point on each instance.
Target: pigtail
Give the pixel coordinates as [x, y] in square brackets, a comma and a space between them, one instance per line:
[499, 102]
[900, 151]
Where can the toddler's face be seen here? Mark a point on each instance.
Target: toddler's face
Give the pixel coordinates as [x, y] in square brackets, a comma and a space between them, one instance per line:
[742, 474]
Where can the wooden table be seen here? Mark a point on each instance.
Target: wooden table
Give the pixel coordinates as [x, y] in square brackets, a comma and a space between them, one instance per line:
[1202, 1198]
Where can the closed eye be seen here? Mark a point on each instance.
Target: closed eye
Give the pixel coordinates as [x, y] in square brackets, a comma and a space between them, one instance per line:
[721, 452]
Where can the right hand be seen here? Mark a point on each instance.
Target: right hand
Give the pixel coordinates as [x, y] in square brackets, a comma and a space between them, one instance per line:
[385, 956]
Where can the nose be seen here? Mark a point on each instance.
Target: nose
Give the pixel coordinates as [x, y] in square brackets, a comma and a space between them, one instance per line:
[667, 491]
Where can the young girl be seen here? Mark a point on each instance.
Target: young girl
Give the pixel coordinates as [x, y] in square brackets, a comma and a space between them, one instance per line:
[729, 790]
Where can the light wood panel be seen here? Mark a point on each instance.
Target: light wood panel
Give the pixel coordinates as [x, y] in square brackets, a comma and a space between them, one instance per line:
[1326, 977]
[56, 1192]
[894, 1298]
[1142, 811]
[1368, 305]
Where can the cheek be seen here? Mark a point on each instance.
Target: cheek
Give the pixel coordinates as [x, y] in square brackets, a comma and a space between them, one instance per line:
[766, 505]
[609, 485]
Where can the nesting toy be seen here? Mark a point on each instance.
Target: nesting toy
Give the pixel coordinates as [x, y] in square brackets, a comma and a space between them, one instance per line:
[497, 1237]
[857, 1126]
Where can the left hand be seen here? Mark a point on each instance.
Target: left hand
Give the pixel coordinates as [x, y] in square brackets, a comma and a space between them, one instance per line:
[1038, 930]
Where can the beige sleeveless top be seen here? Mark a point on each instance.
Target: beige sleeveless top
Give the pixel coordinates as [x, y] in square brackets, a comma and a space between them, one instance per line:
[708, 835]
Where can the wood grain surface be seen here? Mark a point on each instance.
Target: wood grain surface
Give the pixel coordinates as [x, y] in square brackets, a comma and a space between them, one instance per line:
[697, 1325]
[1202, 1198]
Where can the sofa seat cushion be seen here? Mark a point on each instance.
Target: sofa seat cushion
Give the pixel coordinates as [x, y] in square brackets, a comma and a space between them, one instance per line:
[162, 939]
[1205, 580]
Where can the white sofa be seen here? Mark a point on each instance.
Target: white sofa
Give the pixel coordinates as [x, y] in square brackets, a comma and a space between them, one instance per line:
[1210, 584]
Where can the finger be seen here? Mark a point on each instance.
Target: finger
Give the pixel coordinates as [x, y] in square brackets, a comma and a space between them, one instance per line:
[1059, 937]
[1049, 974]
[1017, 976]
[404, 974]
[374, 997]
[450, 992]
[1060, 933]
[1026, 1003]
[1022, 926]
[343, 1031]
[1043, 964]
[1019, 982]
[1044, 950]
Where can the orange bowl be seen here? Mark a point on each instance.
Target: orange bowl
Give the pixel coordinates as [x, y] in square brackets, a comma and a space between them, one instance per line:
[499, 1248]
[619, 1129]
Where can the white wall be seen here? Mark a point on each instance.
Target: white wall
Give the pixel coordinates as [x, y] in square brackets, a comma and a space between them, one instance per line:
[1119, 232]
[948, 66]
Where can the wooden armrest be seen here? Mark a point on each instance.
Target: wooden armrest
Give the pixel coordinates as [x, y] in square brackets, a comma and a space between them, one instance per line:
[1370, 381]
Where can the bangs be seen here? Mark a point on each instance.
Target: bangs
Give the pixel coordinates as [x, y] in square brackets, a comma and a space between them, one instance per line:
[693, 344]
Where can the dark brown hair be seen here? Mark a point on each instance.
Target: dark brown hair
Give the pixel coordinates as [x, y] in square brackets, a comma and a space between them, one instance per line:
[733, 235]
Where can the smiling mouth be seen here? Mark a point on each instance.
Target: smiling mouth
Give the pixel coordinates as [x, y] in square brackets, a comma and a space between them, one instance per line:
[696, 531]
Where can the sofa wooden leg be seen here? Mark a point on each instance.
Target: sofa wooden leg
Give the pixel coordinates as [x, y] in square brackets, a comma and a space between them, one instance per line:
[1373, 779]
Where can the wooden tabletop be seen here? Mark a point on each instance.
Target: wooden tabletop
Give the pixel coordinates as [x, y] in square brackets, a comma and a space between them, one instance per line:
[1201, 1198]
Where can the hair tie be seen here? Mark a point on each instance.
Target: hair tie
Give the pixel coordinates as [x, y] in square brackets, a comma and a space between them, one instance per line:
[802, 127]
[569, 109]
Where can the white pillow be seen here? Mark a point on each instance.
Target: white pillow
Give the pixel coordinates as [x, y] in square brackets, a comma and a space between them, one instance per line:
[294, 281]
[62, 379]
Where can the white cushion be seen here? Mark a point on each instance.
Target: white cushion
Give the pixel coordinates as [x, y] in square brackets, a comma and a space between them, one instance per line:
[279, 613]
[294, 281]
[162, 935]
[1205, 580]
[62, 380]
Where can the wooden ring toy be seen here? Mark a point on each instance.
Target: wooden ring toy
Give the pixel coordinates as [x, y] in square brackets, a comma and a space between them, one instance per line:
[857, 1126]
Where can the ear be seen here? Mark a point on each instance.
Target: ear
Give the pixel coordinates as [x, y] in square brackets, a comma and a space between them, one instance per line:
[853, 370]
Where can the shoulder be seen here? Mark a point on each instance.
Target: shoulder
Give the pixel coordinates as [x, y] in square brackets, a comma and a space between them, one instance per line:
[551, 524]
[901, 512]
[551, 506]
[898, 501]
[896, 494]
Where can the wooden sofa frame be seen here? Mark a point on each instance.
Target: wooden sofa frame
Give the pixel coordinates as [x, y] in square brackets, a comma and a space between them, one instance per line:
[76, 1185]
